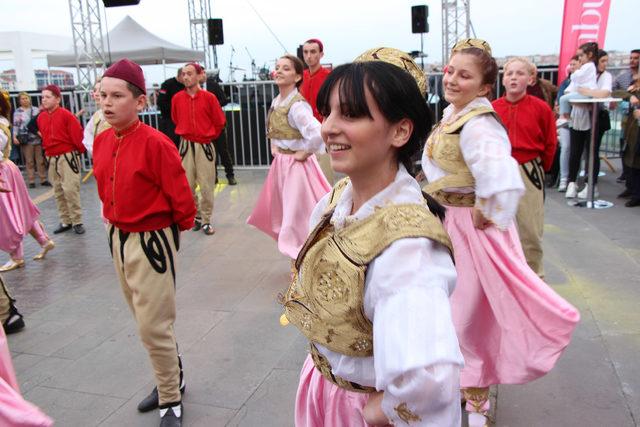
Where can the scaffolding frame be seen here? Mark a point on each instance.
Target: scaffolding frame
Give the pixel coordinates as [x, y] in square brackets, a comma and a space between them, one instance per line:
[456, 24]
[199, 14]
[86, 28]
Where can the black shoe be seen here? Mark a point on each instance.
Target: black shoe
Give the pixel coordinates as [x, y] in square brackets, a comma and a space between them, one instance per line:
[197, 225]
[45, 184]
[62, 228]
[208, 229]
[32, 185]
[170, 419]
[78, 228]
[232, 181]
[621, 178]
[632, 203]
[151, 402]
[14, 322]
[625, 194]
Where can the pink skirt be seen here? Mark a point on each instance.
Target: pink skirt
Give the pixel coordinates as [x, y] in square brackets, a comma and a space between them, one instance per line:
[14, 410]
[511, 325]
[287, 198]
[17, 211]
[320, 403]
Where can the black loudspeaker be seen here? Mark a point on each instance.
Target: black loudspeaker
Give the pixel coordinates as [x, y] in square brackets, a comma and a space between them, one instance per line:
[216, 36]
[116, 3]
[419, 15]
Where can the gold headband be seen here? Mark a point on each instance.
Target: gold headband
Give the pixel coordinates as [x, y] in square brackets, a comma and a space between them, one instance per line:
[398, 58]
[470, 43]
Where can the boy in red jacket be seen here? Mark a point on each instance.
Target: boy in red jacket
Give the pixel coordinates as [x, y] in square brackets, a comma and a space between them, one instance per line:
[532, 133]
[62, 143]
[199, 121]
[147, 201]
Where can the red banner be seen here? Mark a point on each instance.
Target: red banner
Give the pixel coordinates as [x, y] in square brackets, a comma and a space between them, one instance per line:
[584, 21]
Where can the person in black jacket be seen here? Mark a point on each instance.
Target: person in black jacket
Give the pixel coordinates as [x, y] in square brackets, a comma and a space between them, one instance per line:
[220, 144]
[167, 90]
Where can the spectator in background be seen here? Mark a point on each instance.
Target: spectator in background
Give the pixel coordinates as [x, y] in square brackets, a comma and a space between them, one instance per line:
[97, 123]
[30, 143]
[621, 84]
[563, 133]
[167, 91]
[541, 88]
[631, 157]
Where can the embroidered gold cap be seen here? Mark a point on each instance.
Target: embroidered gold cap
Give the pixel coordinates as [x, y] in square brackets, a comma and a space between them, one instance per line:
[398, 58]
[469, 43]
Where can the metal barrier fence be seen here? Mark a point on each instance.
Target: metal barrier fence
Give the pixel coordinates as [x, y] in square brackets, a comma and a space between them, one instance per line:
[249, 104]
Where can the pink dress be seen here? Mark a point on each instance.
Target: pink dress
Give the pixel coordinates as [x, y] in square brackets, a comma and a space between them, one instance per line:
[511, 325]
[18, 213]
[292, 188]
[14, 410]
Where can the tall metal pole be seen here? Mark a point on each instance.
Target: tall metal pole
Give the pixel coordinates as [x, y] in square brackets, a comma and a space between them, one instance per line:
[86, 29]
[456, 23]
[199, 13]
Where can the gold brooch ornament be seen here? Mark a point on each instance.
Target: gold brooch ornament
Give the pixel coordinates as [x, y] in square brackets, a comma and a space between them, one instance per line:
[398, 58]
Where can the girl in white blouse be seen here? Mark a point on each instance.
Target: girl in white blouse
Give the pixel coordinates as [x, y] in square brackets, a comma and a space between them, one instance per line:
[512, 326]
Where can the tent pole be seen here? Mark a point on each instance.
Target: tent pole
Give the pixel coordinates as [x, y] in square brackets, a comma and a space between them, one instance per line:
[164, 68]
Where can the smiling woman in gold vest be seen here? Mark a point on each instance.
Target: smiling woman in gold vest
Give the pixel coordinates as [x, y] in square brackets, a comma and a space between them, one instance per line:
[373, 279]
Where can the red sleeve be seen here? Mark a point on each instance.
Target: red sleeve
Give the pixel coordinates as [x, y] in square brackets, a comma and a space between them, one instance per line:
[174, 184]
[75, 132]
[174, 110]
[551, 137]
[218, 116]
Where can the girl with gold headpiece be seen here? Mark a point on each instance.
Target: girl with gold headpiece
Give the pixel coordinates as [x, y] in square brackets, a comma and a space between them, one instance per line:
[372, 284]
[512, 326]
[18, 214]
[295, 181]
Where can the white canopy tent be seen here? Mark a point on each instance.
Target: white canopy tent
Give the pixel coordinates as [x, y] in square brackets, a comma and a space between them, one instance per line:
[131, 40]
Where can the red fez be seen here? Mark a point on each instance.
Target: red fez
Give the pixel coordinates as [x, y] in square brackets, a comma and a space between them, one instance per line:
[54, 90]
[318, 42]
[196, 66]
[129, 71]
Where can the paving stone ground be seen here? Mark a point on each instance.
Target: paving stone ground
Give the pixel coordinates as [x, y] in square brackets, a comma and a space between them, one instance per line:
[80, 360]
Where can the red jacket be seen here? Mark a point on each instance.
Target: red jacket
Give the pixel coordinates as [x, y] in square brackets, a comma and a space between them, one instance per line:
[532, 129]
[311, 86]
[198, 118]
[61, 132]
[141, 182]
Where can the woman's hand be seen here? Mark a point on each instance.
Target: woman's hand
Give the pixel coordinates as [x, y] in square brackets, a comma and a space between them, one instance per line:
[301, 156]
[634, 100]
[479, 220]
[584, 91]
[372, 411]
[16, 141]
[274, 150]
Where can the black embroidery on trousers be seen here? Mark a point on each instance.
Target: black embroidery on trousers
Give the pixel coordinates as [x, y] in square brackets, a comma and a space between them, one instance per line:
[208, 151]
[175, 232]
[536, 175]
[165, 240]
[112, 229]
[123, 235]
[72, 161]
[184, 147]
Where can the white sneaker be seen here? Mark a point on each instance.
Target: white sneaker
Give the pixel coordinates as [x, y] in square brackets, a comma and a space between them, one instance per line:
[584, 194]
[572, 191]
[563, 185]
[561, 122]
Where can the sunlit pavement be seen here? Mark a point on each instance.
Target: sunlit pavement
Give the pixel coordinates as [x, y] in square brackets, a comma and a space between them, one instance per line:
[80, 360]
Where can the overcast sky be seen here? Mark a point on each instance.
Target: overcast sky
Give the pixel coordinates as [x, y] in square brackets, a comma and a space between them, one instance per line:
[347, 27]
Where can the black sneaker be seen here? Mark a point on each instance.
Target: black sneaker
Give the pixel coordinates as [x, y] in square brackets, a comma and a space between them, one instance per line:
[78, 228]
[151, 402]
[208, 229]
[45, 183]
[232, 181]
[197, 225]
[14, 322]
[62, 228]
[171, 416]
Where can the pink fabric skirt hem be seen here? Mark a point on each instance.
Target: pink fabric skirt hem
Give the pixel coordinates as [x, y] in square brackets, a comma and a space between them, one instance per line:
[320, 403]
[17, 210]
[511, 325]
[291, 191]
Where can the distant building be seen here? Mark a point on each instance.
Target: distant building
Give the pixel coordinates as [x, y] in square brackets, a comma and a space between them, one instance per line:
[64, 79]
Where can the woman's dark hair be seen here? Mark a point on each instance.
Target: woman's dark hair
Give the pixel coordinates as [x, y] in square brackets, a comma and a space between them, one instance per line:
[397, 95]
[392, 88]
[298, 66]
[601, 54]
[591, 50]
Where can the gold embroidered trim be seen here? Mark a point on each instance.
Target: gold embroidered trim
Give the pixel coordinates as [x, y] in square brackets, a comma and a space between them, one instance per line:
[477, 397]
[405, 414]
[465, 200]
[278, 126]
[322, 364]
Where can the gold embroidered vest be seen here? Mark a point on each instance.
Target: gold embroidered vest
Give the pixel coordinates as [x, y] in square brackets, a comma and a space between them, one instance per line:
[100, 124]
[443, 147]
[278, 126]
[326, 299]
